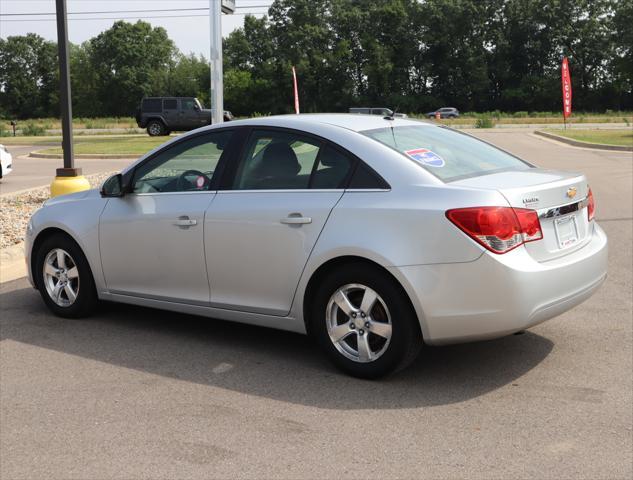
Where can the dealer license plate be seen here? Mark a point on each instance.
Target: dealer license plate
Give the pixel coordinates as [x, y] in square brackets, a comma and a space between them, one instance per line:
[566, 231]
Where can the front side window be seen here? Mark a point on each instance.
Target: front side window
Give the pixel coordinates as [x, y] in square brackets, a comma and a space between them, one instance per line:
[187, 103]
[447, 154]
[187, 166]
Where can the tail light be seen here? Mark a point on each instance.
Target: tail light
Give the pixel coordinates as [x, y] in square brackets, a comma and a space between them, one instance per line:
[591, 205]
[499, 229]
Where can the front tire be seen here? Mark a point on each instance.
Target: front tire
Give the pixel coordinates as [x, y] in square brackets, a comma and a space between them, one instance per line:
[364, 322]
[64, 279]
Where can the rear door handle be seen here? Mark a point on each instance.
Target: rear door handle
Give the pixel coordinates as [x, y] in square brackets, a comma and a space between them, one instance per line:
[296, 219]
[185, 222]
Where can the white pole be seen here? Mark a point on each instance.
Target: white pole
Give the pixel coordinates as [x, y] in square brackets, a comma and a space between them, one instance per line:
[217, 97]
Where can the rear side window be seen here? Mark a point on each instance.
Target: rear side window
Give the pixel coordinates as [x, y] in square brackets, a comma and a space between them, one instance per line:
[279, 160]
[276, 160]
[170, 104]
[365, 178]
[332, 169]
[447, 154]
[152, 105]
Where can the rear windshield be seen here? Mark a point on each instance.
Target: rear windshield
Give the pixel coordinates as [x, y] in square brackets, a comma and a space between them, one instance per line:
[447, 154]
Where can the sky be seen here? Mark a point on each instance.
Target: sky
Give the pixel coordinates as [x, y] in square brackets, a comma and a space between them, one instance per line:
[190, 34]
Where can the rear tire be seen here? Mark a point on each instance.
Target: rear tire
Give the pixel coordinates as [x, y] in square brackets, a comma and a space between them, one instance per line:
[64, 279]
[155, 128]
[373, 338]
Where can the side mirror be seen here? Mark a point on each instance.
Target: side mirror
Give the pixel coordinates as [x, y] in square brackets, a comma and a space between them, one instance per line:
[196, 108]
[113, 186]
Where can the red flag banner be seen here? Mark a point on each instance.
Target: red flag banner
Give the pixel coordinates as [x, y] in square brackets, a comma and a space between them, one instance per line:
[294, 81]
[566, 85]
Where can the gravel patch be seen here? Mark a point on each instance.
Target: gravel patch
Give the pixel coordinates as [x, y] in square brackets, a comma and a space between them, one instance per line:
[17, 209]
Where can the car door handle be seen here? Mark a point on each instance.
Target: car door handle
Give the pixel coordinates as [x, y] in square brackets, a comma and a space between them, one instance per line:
[185, 222]
[296, 219]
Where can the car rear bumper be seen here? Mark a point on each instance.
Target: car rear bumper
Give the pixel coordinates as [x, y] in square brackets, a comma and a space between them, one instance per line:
[497, 295]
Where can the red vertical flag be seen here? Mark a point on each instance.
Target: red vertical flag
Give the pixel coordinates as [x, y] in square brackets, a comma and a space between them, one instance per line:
[294, 82]
[566, 85]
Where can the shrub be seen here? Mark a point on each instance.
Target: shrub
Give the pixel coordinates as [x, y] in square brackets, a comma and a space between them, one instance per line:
[520, 114]
[484, 121]
[93, 123]
[32, 130]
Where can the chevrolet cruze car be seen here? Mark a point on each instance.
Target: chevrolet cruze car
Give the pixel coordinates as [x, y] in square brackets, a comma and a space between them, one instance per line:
[373, 235]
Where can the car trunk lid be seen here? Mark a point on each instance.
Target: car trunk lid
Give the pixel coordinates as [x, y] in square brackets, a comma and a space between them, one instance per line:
[560, 198]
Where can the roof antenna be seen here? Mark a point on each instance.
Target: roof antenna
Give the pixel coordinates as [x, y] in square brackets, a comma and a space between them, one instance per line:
[393, 114]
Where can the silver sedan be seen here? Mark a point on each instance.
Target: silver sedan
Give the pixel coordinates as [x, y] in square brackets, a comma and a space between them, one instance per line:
[374, 235]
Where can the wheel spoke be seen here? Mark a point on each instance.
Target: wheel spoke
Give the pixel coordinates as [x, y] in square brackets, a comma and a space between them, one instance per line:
[61, 259]
[381, 329]
[72, 273]
[340, 332]
[49, 269]
[70, 293]
[364, 352]
[369, 298]
[57, 291]
[343, 303]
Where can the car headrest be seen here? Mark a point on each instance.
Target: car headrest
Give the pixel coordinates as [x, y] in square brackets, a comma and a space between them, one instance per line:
[280, 160]
[331, 158]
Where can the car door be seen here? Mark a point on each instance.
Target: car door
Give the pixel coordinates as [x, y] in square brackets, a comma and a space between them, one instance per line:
[191, 115]
[171, 113]
[262, 226]
[151, 239]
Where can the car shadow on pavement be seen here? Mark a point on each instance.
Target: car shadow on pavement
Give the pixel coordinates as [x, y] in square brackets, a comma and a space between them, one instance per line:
[258, 361]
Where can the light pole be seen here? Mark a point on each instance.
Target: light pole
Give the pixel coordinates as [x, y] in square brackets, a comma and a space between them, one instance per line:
[216, 7]
[67, 179]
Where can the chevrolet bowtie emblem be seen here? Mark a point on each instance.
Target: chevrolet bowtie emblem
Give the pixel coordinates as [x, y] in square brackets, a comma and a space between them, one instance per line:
[571, 192]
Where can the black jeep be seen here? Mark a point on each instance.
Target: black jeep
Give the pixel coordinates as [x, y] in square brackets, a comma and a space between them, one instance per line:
[162, 115]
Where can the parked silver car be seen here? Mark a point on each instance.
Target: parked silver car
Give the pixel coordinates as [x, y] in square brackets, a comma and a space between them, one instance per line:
[373, 235]
[6, 161]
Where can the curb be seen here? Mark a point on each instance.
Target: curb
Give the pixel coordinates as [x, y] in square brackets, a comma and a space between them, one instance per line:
[578, 143]
[84, 156]
[12, 264]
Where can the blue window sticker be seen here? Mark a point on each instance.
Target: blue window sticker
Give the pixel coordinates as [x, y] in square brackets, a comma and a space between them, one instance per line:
[426, 157]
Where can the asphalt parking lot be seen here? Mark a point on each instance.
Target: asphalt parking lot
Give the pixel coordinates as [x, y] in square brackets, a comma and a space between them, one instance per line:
[140, 393]
[35, 172]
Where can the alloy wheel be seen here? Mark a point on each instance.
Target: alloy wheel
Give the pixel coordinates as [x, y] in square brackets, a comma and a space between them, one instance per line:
[154, 129]
[61, 277]
[358, 323]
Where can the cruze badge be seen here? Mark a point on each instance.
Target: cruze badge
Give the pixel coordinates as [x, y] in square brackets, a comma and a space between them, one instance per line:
[530, 201]
[571, 192]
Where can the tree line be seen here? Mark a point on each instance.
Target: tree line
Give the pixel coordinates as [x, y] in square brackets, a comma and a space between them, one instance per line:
[476, 55]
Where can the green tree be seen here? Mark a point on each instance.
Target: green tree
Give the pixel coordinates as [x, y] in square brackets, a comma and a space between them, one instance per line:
[130, 61]
[188, 77]
[83, 82]
[28, 77]
[621, 65]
